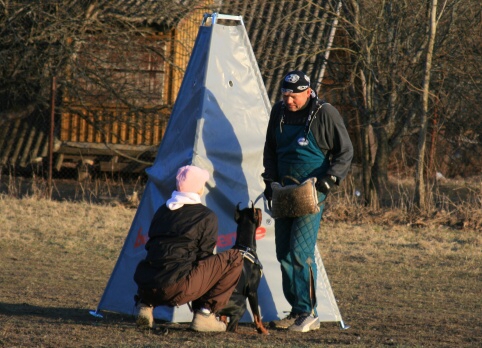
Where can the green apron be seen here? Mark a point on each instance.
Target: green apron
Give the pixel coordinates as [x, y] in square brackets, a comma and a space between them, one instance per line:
[295, 238]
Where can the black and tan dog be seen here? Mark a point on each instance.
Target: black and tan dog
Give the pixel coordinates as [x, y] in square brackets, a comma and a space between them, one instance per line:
[248, 220]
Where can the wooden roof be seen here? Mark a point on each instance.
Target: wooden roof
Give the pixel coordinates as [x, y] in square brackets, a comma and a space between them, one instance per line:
[287, 35]
[158, 13]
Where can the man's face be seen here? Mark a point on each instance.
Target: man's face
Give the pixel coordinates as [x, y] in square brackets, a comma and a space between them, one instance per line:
[296, 101]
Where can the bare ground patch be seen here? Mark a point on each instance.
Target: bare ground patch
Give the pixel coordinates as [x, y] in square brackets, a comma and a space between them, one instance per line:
[401, 285]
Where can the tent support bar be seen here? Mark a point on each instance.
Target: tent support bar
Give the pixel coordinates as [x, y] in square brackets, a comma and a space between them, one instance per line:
[215, 16]
[343, 326]
[96, 314]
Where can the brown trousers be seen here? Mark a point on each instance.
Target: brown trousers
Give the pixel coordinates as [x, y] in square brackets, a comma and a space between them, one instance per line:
[209, 284]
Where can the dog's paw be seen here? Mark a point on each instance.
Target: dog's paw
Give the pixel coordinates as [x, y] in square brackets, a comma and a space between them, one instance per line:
[262, 330]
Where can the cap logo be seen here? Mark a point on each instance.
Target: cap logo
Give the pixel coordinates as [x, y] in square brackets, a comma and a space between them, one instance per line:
[292, 78]
[301, 88]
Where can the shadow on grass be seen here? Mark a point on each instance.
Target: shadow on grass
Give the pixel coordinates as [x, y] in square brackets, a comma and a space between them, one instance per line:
[82, 316]
[77, 315]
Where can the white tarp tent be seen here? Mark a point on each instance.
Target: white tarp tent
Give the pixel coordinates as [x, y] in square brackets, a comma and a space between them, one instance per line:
[218, 123]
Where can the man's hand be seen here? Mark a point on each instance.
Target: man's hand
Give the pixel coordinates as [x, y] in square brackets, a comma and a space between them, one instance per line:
[268, 192]
[325, 184]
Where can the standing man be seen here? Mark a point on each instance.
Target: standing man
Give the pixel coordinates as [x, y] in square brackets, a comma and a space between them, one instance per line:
[306, 137]
[180, 266]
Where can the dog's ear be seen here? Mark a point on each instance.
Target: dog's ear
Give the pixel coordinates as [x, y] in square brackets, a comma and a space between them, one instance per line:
[258, 216]
[253, 211]
[236, 213]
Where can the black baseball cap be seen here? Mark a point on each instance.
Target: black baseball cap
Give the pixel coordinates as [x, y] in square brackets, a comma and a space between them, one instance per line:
[295, 81]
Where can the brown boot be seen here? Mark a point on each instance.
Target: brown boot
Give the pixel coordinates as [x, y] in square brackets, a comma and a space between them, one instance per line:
[207, 323]
[145, 318]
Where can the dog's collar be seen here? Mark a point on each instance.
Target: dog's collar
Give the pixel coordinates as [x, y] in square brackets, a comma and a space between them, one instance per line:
[251, 258]
[249, 254]
[243, 248]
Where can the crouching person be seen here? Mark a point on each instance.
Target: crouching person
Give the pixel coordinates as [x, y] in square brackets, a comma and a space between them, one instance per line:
[180, 266]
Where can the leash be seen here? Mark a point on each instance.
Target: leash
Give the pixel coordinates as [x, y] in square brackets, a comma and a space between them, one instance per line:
[258, 198]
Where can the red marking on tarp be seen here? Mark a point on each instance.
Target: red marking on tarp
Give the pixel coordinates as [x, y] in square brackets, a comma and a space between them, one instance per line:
[260, 232]
[226, 240]
[140, 239]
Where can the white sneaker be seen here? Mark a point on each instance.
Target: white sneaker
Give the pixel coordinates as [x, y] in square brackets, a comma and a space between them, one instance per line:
[207, 323]
[145, 318]
[305, 323]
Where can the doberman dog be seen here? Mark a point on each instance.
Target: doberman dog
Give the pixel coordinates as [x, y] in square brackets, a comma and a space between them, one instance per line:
[248, 220]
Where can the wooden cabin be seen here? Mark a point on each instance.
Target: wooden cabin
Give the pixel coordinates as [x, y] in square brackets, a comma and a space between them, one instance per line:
[94, 129]
[116, 120]
[122, 137]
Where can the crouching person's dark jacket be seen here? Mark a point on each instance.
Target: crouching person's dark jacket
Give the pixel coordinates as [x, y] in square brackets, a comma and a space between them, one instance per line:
[177, 239]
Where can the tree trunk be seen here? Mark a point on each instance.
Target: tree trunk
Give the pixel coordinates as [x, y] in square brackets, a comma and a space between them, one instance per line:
[380, 166]
[369, 193]
[420, 186]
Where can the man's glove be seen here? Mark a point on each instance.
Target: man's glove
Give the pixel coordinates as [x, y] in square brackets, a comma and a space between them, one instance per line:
[325, 184]
[268, 192]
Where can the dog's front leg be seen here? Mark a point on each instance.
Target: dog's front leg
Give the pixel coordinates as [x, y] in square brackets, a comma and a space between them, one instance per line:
[253, 304]
[259, 325]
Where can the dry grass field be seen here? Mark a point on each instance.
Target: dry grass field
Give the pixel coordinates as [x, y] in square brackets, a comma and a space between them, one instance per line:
[401, 279]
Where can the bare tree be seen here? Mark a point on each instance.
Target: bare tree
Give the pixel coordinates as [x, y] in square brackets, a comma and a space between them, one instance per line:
[456, 86]
[118, 65]
[390, 85]
[384, 60]
[114, 61]
[420, 188]
[102, 52]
